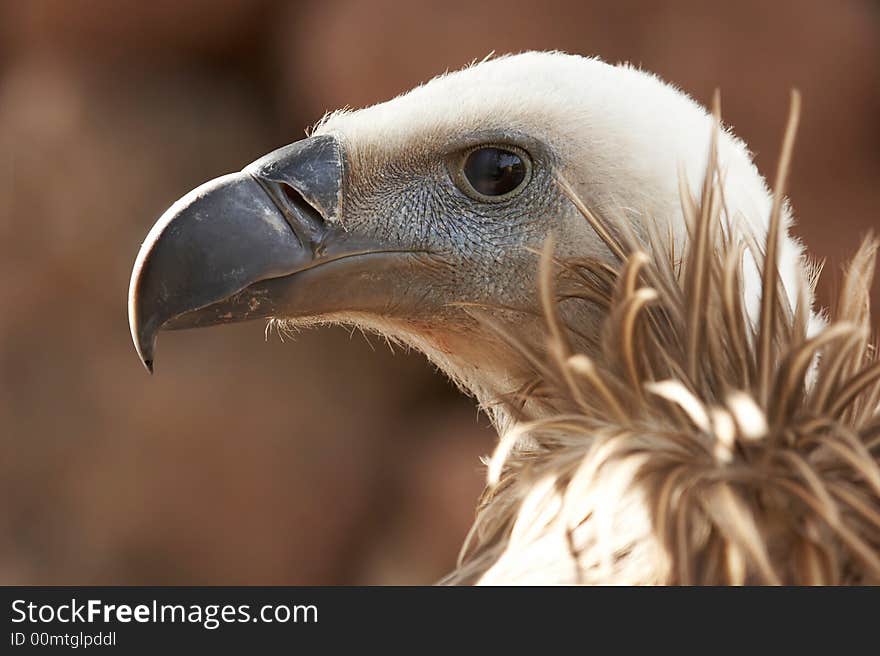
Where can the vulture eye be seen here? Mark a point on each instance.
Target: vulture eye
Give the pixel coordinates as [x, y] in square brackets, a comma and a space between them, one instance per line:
[493, 173]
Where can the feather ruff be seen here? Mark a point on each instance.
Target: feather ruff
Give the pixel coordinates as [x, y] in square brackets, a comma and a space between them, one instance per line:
[683, 444]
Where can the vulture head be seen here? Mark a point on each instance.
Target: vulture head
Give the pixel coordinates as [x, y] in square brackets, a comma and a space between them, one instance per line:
[410, 216]
[588, 252]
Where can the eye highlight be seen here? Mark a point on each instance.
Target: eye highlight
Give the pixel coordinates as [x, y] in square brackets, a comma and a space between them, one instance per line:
[493, 173]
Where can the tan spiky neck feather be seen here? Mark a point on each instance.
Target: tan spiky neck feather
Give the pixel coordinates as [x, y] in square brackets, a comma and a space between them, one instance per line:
[687, 445]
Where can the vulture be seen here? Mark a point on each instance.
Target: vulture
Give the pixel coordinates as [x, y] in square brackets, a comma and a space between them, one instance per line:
[596, 259]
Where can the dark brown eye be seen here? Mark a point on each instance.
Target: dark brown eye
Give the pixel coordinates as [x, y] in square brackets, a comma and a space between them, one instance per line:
[494, 172]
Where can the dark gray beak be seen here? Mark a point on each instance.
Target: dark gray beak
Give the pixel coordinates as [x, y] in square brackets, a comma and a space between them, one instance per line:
[250, 245]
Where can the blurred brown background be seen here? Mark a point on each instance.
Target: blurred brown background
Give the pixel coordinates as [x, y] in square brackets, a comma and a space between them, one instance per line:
[327, 460]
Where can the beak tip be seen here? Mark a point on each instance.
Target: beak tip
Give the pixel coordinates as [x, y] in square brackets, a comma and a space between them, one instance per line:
[144, 348]
[144, 344]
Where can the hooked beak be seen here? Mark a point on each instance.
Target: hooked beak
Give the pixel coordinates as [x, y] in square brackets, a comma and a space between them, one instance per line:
[260, 243]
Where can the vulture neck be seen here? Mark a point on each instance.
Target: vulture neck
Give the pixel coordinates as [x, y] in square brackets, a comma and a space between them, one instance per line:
[487, 367]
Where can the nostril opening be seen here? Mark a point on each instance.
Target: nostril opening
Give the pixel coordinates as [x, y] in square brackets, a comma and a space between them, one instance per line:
[297, 205]
[292, 195]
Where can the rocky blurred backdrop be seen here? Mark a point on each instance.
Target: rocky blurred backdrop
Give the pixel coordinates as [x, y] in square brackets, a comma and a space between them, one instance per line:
[326, 460]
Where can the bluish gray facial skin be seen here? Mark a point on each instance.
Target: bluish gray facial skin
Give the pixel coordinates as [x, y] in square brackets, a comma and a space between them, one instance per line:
[310, 232]
[411, 199]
